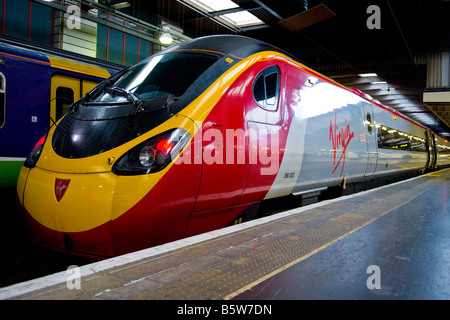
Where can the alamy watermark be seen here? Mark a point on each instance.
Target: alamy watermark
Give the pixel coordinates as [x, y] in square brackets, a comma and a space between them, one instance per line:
[374, 20]
[217, 147]
[74, 19]
[374, 280]
[74, 277]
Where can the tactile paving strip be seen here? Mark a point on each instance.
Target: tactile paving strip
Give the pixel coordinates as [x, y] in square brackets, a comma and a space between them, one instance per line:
[227, 279]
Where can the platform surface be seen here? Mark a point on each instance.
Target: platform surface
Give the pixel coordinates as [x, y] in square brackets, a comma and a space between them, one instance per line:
[392, 242]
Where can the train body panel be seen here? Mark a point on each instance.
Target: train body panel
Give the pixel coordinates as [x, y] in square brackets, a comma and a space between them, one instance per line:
[251, 124]
[22, 75]
[335, 145]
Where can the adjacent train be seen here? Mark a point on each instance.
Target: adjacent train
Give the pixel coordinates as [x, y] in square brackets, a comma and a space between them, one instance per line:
[195, 137]
[36, 89]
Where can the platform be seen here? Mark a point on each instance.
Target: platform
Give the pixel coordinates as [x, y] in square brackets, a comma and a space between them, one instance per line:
[391, 242]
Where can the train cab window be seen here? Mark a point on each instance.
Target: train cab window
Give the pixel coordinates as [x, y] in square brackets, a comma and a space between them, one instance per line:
[266, 88]
[2, 99]
[64, 98]
[161, 75]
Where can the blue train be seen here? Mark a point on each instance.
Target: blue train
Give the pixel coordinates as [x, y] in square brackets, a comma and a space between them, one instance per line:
[36, 89]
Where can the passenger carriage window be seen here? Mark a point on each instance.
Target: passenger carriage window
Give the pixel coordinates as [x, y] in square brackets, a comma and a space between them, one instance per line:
[369, 122]
[64, 98]
[266, 88]
[2, 99]
[389, 138]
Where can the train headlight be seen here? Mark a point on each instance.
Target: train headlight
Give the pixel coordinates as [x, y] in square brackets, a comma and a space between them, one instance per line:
[147, 156]
[34, 155]
[153, 154]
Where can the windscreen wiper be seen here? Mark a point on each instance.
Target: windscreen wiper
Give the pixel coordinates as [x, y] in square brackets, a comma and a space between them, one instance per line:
[128, 94]
[99, 87]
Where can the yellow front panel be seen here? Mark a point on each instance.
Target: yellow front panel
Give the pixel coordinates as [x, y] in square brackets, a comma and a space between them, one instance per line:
[86, 203]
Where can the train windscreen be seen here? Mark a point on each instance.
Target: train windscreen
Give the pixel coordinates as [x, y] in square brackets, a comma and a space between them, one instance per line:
[129, 104]
[161, 75]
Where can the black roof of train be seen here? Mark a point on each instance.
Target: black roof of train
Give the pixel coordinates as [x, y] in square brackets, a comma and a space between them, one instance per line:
[235, 45]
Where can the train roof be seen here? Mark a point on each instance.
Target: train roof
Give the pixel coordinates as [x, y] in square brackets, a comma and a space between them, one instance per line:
[238, 46]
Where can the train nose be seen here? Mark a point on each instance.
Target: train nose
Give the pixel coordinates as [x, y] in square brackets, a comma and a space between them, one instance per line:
[69, 211]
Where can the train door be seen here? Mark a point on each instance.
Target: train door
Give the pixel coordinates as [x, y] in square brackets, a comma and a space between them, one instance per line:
[434, 151]
[64, 91]
[371, 139]
[431, 149]
[266, 136]
[225, 161]
[87, 86]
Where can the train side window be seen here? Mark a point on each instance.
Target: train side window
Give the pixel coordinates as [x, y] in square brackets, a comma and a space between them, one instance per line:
[2, 99]
[369, 122]
[64, 98]
[266, 88]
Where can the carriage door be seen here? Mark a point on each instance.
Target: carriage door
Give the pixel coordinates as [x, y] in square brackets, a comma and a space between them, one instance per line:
[264, 117]
[431, 150]
[64, 91]
[371, 139]
[87, 86]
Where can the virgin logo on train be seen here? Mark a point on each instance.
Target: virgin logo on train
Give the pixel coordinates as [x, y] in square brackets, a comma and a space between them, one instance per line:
[340, 139]
[61, 186]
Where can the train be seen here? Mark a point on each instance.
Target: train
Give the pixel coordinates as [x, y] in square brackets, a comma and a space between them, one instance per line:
[37, 85]
[196, 137]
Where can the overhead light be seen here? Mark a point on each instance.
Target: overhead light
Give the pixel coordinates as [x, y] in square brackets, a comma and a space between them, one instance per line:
[378, 82]
[121, 5]
[214, 5]
[240, 19]
[368, 75]
[166, 38]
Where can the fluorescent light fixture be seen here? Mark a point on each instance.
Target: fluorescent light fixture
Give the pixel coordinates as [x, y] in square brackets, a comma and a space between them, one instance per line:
[214, 5]
[121, 5]
[237, 19]
[368, 75]
[241, 19]
[378, 82]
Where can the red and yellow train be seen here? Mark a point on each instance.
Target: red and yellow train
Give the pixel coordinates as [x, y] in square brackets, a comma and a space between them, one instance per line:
[197, 136]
